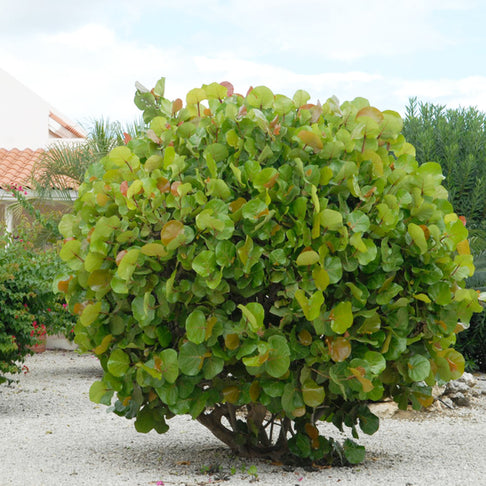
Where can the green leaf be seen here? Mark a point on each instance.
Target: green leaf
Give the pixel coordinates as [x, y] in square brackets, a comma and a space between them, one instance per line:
[331, 219]
[128, 264]
[418, 367]
[392, 124]
[307, 257]
[90, 314]
[278, 361]
[196, 326]
[207, 219]
[254, 209]
[225, 253]
[169, 366]
[218, 188]
[103, 346]
[215, 91]
[118, 363]
[311, 307]
[195, 96]
[145, 420]
[168, 393]
[120, 155]
[204, 263]
[218, 151]
[357, 242]
[99, 393]
[369, 423]
[321, 278]
[159, 88]
[376, 361]
[341, 317]
[450, 364]
[93, 261]
[191, 358]
[418, 237]
[143, 308]
[212, 367]
[283, 105]
[353, 452]
[154, 249]
[358, 222]
[260, 97]
[266, 178]
[313, 394]
[71, 250]
[301, 97]
[254, 314]
[99, 280]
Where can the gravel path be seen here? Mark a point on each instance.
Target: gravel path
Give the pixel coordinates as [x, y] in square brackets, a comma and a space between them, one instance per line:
[51, 434]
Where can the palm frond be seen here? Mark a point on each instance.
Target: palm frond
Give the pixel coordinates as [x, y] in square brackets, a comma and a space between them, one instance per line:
[61, 168]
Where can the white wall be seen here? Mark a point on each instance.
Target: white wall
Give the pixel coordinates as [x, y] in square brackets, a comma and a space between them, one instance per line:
[24, 116]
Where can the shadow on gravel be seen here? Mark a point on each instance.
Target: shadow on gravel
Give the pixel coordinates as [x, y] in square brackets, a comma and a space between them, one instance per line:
[174, 453]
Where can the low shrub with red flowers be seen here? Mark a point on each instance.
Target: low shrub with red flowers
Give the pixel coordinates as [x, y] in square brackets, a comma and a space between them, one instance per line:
[29, 307]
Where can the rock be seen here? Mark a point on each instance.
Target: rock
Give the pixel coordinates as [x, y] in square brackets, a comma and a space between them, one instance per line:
[438, 391]
[447, 402]
[460, 399]
[468, 379]
[456, 386]
[383, 409]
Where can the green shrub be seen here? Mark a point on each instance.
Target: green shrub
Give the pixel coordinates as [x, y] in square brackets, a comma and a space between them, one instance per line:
[472, 342]
[28, 305]
[456, 139]
[262, 264]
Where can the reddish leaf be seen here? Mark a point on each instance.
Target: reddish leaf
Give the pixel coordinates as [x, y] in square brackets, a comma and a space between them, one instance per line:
[176, 105]
[124, 188]
[229, 87]
[171, 230]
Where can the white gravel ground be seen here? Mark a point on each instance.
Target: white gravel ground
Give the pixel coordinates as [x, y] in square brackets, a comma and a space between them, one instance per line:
[51, 434]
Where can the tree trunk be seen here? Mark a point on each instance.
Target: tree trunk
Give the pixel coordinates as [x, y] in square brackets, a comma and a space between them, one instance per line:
[252, 442]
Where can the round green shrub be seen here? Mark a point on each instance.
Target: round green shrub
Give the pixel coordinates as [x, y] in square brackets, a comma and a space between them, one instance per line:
[262, 263]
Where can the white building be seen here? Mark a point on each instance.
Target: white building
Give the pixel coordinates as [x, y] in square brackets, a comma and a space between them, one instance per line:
[28, 126]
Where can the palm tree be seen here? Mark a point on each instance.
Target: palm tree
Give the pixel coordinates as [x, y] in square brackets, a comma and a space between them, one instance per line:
[61, 170]
[63, 166]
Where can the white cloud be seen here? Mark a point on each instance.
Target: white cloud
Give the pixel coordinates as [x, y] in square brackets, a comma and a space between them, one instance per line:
[88, 68]
[244, 74]
[321, 29]
[464, 92]
[88, 37]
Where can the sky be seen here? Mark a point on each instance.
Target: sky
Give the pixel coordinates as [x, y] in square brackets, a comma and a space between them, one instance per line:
[85, 57]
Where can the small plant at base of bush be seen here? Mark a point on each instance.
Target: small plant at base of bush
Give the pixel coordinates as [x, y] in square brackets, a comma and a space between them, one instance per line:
[263, 263]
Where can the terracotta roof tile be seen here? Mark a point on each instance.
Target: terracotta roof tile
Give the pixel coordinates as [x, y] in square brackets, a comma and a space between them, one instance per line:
[65, 130]
[16, 166]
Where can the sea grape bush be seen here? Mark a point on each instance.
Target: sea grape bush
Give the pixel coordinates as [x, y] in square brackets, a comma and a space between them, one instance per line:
[263, 263]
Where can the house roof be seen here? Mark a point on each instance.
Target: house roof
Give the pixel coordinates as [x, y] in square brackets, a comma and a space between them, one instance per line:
[16, 169]
[16, 166]
[59, 127]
